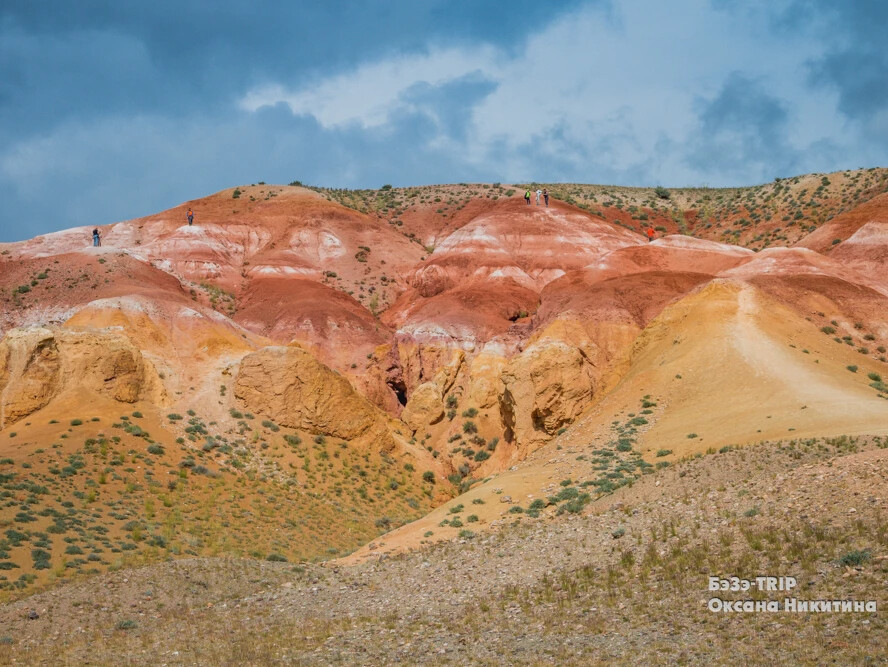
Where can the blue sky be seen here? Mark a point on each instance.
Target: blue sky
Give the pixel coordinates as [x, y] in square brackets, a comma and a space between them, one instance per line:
[111, 110]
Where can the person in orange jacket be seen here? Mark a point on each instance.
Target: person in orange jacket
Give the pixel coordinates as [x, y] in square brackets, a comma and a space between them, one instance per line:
[190, 215]
[650, 234]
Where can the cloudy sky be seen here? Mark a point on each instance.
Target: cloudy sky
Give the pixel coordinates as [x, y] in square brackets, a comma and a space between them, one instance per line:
[111, 110]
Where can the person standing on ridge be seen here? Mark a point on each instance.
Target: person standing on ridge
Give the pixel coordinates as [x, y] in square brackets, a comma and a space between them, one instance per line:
[650, 234]
[538, 194]
[546, 195]
[190, 215]
[527, 197]
[96, 240]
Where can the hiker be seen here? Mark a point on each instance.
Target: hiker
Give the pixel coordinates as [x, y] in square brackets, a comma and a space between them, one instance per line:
[190, 215]
[650, 234]
[538, 194]
[527, 197]
[546, 195]
[96, 240]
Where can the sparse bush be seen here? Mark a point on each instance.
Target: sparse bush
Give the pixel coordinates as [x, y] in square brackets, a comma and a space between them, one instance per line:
[428, 476]
[852, 368]
[855, 558]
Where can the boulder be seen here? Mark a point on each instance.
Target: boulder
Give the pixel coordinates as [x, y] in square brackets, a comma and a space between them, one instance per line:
[294, 389]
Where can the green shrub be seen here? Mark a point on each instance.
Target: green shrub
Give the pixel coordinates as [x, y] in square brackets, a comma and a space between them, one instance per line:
[663, 452]
[76, 422]
[852, 368]
[428, 476]
[855, 558]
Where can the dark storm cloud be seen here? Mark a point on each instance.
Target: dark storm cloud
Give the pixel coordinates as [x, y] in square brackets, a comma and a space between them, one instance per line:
[743, 127]
[103, 105]
[855, 61]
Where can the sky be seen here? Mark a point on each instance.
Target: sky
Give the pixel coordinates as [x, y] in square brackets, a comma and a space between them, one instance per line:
[111, 110]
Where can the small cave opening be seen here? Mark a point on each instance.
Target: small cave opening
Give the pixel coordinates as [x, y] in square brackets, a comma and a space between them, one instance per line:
[521, 314]
[400, 390]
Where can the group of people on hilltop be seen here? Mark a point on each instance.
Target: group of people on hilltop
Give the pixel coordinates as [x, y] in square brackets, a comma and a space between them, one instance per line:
[544, 193]
[97, 239]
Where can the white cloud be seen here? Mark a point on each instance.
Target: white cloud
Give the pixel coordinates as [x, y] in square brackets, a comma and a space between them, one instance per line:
[617, 91]
[368, 94]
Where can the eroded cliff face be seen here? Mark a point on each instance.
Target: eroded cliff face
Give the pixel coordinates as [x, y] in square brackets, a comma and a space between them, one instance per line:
[426, 406]
[39, 364]
[544, 389]
[294, 389]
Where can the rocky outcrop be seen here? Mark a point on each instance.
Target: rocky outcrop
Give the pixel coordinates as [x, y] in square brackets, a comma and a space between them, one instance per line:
[38, 364]
[544, 389]
[426, 404]
[294, 389]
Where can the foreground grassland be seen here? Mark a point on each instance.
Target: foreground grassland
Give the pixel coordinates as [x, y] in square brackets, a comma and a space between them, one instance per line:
[109, 496]
[625, 581]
